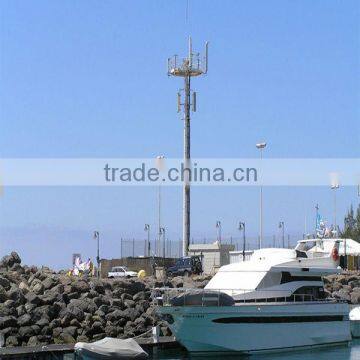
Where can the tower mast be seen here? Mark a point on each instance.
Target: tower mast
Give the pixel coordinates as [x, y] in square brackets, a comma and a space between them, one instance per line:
[191, 66]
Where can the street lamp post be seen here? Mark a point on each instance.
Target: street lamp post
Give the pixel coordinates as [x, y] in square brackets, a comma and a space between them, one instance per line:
[242, 227]
[162, 232]
[282, 227]
[97, 238]
[147, 228]
[261, 146]
[160, 166]
[218, 226]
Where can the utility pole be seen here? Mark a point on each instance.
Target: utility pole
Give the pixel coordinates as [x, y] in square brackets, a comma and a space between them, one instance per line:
[191, 66]
[97, 238]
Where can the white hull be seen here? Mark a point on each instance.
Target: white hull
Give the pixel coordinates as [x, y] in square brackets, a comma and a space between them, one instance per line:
[258, 328]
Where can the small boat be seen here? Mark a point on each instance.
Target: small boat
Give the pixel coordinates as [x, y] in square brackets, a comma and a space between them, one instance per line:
[110, 348]
[273, 302]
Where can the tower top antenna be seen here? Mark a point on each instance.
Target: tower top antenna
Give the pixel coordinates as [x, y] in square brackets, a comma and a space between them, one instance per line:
[193, 65]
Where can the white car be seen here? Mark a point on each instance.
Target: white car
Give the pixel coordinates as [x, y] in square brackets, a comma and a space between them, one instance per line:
[121, 271]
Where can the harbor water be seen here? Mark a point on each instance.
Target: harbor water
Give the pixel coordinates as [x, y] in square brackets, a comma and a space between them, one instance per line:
[351, 352]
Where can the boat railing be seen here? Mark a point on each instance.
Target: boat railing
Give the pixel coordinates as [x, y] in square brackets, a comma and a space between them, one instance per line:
[213, 297]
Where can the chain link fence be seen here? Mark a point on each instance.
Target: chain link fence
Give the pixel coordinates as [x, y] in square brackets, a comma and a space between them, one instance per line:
[172, 248]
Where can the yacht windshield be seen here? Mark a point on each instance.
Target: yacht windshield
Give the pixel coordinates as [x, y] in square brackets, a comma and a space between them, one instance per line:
[236, 281]
[306, 245]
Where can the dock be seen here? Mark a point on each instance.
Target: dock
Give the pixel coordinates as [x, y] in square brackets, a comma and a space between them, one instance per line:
[64, 351]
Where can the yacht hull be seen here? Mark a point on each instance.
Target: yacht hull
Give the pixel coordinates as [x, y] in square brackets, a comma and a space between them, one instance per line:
[259, 328]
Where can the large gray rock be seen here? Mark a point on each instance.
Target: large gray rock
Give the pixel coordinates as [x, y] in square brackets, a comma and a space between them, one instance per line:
[7, 321]
[104, 308]
[57, 332]
[24, 287]
[26, 332]
[64, 338]
[86, 305]
[32, 298]
[44, 321]
[55, 324]
[71, 330]
[101, 300]
[5, 283]
[49, 298]
[74, 312]
[12, 341]
[6, 311]
[97, 327]
[48, 283]
[112, 331]
[355, 296]
[16, 258]
[34, 341]
[130, 314]
[342, 294]
[46, 331]
[30, 307]
[59, 289]
[38, 288]
[140, 296]
[16, 295]
[115, 315]
[129, 303]
[44, 311]
[9, 260]
[81, 286]
[97, 286]
[3, 294]
[24, 320]
[21, 310]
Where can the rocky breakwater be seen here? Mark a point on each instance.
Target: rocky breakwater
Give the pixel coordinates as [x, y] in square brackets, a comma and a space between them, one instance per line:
[345, 287]
[40, 306]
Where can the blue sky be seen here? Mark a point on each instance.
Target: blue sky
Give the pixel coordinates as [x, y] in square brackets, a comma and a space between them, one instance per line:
[88, 79]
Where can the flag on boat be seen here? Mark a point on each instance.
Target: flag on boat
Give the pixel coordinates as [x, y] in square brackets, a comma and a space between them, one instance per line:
[320, 226]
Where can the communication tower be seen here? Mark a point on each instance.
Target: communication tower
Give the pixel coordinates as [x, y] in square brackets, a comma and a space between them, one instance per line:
[191, 66]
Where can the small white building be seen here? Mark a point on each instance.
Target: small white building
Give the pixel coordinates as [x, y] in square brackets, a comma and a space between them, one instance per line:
[213, 256]
[237, 256]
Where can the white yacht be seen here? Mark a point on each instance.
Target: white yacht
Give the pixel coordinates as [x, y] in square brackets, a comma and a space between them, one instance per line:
[273, 302]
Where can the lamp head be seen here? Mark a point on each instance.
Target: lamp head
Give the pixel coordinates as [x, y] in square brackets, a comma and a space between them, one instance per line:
[261, 145]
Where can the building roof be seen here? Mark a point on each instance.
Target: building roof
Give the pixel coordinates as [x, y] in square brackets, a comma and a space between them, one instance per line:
[214, 246]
